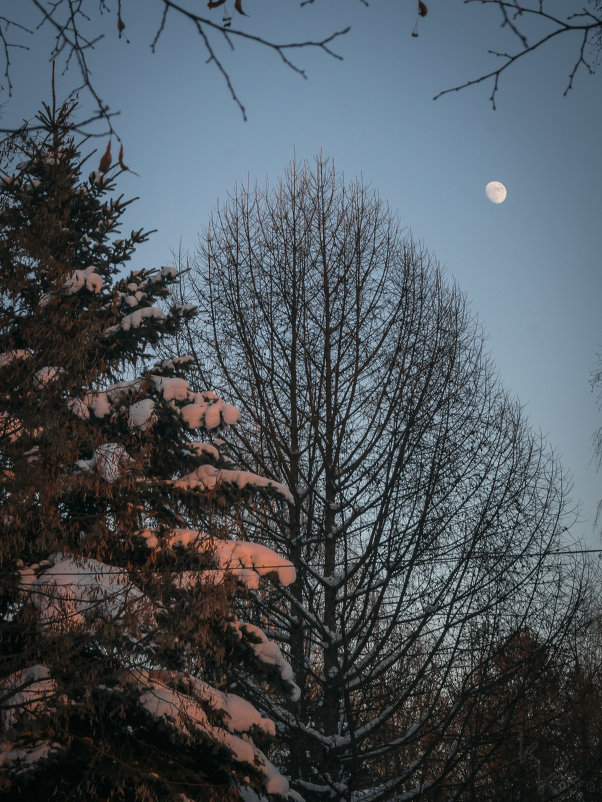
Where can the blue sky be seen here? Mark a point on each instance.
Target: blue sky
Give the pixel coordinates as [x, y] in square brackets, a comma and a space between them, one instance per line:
[530, 267]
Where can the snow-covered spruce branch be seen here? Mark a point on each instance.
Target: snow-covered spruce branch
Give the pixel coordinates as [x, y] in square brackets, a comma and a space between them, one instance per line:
[121, 635]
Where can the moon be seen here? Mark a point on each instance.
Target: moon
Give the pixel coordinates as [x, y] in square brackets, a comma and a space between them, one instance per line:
[496, 191]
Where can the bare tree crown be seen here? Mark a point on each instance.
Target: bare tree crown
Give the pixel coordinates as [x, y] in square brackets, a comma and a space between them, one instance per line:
[425, 511]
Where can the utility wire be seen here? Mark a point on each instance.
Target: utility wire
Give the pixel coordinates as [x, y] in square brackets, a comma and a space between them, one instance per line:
[263, 567]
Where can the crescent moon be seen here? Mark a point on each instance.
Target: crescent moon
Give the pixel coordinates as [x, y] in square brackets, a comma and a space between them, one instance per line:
[496, 191]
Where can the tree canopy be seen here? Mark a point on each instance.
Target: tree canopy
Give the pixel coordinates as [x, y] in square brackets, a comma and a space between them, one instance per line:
[122, 625]
[426, 514]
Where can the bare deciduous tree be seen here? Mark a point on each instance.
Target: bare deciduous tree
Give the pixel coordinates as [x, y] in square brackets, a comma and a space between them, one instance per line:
[426, 513]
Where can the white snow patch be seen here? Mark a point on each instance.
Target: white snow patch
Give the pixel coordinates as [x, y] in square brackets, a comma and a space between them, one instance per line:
[135, 319]
[24, 760]
[207, 477]
[94, 283]
[79, 279]
[77, 406]
[142, 414]
[99, 403]
[213, 416]
[173, 389]
[252, 560]
[72, 592]
[46, 375]
[10, 356]
[230, 414]
[120, 390]
[268, 652]
[183, 713]
[194, 414]
[109, 461]
[32, 687]
[240, 715]
[249, 561]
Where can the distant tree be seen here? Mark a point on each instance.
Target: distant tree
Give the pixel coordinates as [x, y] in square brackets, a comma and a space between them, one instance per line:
[582, 692]
[426, 514]
[596, 383]
[512, 749]
[119, 631]
[76, 28]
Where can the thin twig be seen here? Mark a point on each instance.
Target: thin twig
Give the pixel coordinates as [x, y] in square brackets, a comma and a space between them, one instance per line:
[72, 44]
[512, 11]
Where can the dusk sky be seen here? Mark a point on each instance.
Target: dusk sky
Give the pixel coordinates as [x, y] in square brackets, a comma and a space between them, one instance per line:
[529, 266]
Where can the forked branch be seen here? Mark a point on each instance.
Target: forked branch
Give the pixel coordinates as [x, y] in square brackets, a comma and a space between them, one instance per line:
[586, 24]
[74, 27]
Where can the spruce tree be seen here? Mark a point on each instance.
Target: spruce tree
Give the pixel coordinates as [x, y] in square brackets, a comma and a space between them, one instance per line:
[119, 639]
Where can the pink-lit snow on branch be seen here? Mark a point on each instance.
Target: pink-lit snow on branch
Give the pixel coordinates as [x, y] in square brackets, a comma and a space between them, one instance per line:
[73, 592]
[80, 279]
[248, 561]
[183, 711]
[199, 410]
[24, 693]
[207, 477]
[266, 651]
[209, 412]
[142, 414]
[109, 461]
[26, 760]
[11, 356]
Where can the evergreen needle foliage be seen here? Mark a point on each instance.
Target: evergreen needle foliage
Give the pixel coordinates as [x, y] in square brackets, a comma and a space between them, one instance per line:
[117, 629]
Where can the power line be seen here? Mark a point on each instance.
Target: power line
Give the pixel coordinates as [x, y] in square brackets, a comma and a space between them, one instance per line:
[117, 570]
